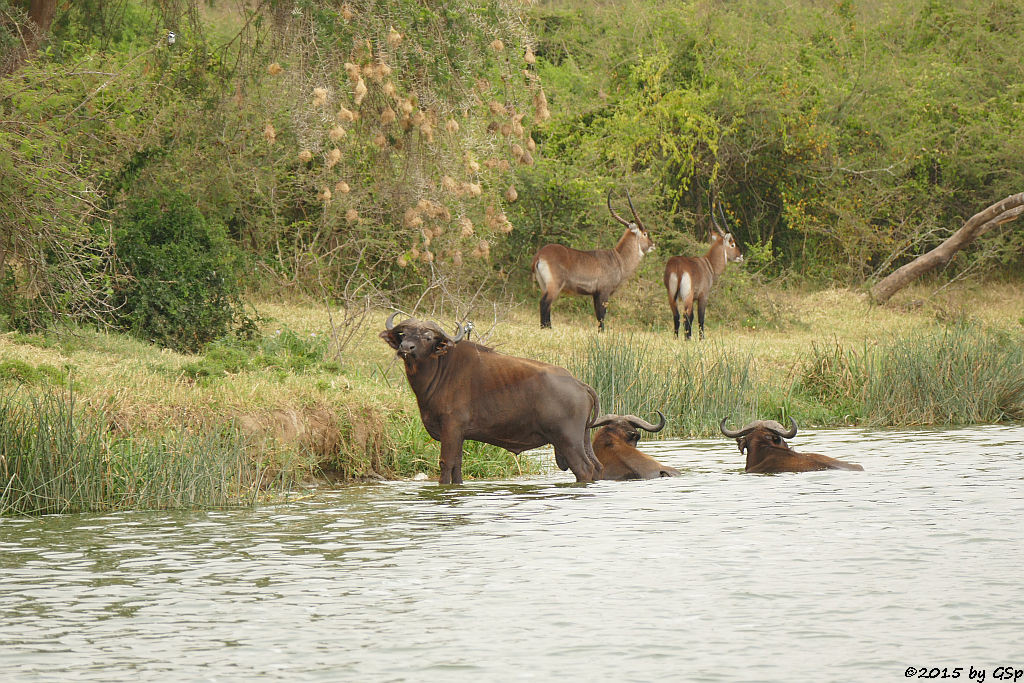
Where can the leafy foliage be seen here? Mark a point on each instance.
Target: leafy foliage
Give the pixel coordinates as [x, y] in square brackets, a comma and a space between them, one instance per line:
[183, 290]
[848, 136]
[284, 350]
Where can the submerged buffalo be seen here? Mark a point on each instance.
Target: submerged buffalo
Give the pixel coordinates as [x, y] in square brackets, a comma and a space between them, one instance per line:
[468, 391]
[615, 446]
[768, 452]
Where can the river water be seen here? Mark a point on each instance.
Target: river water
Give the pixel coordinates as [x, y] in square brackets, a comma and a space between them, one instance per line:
[714, 576]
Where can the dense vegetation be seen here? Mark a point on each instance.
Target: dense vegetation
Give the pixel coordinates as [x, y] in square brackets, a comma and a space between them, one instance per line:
[368, 153]
[381, 146]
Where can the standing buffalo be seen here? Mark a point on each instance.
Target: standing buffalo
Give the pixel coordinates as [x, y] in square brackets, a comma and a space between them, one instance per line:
[615, 446]
[768, 453]
[468, 391]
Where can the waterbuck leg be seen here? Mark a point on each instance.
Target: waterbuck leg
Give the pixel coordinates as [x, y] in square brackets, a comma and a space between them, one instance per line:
[688, 319]
[675, 313]
[451, 458]
[599, 311]
[545, 311]
[701, 304]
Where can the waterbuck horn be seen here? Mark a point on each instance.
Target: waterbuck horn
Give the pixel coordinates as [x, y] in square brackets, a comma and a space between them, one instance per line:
[644, 424]
[615, 215]
[711, 212]
[389, 324]
[635, 217]
[724, 221]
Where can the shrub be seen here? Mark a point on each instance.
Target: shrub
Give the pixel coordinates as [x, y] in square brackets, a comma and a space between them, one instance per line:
[183, 290]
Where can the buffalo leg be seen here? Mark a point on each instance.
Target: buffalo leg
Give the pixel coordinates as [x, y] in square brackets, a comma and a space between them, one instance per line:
[599, 311]
[572, 452]
[545, 310]
[591, 457]
[451, 459]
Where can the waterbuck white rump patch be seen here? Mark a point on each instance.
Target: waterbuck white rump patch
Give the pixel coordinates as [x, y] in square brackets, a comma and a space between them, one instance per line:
[683, 293]
[542, 273]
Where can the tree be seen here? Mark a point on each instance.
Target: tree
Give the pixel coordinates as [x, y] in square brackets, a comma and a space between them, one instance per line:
[995, 215]
[27, 34]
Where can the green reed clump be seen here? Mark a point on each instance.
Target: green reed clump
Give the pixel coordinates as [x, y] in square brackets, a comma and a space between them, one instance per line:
[961, 375]
[415, 452]
[55, 459]
[694, 388]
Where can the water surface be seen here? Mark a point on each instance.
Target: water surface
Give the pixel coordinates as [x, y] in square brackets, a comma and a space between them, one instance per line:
[715, 576]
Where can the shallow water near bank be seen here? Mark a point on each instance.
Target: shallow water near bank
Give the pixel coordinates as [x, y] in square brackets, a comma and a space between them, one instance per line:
[714, 576]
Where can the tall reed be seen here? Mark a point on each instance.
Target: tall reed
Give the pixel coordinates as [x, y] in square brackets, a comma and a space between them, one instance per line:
[694, 388]
[961, 375]
[54, 459]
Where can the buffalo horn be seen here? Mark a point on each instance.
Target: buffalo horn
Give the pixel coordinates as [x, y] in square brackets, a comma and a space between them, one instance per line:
[615, 215]
[389, 324]
[739, 432]
[459, 336]
[644, 424]
[771, 425]
[777, 428]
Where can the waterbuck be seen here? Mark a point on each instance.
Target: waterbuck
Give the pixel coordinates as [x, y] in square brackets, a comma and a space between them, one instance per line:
[690, 279]
[597, 273]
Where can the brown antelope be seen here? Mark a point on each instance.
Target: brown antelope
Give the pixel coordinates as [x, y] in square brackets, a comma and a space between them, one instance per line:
[690, 279]
[597, 273]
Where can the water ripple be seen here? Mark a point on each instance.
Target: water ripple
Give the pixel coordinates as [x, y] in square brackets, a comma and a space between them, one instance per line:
[713, 576]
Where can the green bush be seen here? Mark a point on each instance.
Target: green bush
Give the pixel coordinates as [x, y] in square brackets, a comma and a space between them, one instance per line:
[183, 290]
[284, 351]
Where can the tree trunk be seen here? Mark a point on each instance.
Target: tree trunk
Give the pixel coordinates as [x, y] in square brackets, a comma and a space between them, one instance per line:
[997, 214]
[32, 33]
[41, 12]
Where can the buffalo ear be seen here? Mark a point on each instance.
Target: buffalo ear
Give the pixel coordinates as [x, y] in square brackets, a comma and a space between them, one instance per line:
[443, 346]
[392, 337]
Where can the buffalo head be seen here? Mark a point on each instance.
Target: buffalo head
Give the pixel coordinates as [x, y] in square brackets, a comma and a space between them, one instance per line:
[764, 442]
[417, 340]
[625, 426]
[760, 431]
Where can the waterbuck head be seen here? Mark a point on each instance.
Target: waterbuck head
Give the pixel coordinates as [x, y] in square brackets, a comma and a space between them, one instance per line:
[729, 246]
[643, 240]
[416, 340]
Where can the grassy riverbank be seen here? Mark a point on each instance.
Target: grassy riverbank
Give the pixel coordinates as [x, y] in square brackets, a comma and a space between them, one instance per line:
[92, 420]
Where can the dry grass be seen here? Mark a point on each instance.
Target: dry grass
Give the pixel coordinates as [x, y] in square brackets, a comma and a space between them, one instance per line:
[145, 390]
